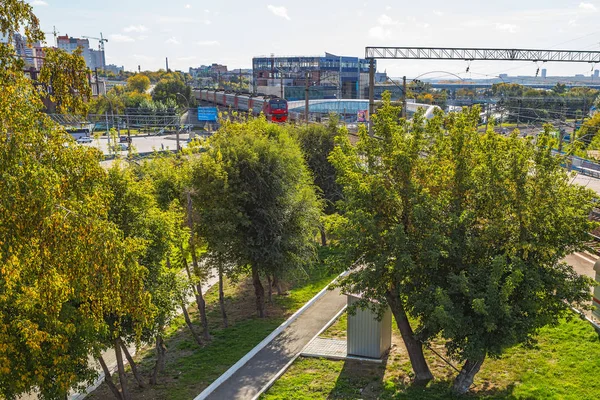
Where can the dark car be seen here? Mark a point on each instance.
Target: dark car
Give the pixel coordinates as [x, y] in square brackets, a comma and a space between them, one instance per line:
[123, 139]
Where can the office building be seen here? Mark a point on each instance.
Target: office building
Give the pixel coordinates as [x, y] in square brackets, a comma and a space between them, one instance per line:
[329, 77]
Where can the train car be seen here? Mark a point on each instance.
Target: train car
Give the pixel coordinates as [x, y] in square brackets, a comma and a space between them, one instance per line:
[275, 109]
[231, 100]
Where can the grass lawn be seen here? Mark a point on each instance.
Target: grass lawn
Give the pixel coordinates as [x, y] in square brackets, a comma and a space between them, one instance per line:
[564, 365]
[191, 368]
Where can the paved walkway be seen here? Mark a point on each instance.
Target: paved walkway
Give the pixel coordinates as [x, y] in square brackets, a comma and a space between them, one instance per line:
[246, 382]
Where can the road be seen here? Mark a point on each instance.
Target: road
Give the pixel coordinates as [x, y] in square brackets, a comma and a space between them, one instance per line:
[143, 144]
[583, 264]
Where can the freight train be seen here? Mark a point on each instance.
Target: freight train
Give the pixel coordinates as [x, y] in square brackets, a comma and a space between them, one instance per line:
[274, 108]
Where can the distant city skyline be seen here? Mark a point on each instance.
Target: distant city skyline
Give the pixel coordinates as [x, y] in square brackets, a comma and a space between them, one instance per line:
[192, 33]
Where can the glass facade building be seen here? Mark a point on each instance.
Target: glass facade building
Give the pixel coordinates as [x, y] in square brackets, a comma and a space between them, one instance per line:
[329, 77]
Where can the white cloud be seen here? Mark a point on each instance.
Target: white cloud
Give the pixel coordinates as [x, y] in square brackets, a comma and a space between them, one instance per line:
[379, 32]
[207, 22]
[121, 38]
[208, 43]
[587, 7]
[386, 20]
[187, 6]
[280, 11]
[141, 57]
[135, 28]
[510, 28]
[438, 13]
[38, 3]
[175, 20]
[388, 7]
[172, 40]
[573, 22]
[142, 37]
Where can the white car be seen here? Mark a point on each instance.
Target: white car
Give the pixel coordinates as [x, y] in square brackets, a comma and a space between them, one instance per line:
[84, 139]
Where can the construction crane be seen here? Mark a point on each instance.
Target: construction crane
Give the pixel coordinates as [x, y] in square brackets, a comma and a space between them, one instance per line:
[101, 41]
[55, 33]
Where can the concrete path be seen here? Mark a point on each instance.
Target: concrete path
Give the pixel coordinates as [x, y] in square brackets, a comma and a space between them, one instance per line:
[246, 382]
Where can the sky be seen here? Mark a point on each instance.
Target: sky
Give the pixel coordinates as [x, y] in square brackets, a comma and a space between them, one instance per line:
[192, 33]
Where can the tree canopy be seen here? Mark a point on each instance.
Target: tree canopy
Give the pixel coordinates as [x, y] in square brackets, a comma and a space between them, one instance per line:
[256, 201]
[138, 83]
[463, 231]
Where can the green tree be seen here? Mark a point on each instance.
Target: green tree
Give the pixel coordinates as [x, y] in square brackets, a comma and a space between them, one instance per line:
[64, 79]
[170, 177]
[174, 90]
[256, 201]
[317, 142]
[138, 83]
[64, 265]
[462, 231]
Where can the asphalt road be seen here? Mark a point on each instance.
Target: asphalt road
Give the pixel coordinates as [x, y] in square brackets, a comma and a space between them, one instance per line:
[143, 144]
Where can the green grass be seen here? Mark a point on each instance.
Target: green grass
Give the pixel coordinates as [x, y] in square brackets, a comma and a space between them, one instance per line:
[563, 365]
[191, 368]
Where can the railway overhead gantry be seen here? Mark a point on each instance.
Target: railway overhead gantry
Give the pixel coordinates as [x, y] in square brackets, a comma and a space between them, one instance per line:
[470, 54]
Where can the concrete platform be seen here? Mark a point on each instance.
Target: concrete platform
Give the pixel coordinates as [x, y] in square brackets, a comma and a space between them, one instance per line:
[333, 349]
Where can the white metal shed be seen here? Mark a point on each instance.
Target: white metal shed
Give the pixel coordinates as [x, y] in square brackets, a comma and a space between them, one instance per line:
[368, 337]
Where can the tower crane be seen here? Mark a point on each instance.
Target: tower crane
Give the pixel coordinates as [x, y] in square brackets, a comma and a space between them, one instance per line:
[101, 41]
[55, 33]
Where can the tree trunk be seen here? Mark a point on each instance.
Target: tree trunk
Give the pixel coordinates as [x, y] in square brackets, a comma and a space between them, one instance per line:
[259, 291]
[188, 322]
[199, 297]
[323, 236]
[270, 289]
[222, 298]
[133, 365]
[159, 366]
[108, 380]
[464, 380]
[121, 369]
[413, 346]
[277, 285]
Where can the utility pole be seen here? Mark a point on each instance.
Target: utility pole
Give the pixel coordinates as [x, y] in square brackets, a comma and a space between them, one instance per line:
[281, 82]
[404, 97]
[306, 98]
[487, 116]
[519, 113]
[371, 93]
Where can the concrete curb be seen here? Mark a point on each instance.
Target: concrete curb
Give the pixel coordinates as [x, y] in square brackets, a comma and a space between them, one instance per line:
[233, 369]
[289, 364]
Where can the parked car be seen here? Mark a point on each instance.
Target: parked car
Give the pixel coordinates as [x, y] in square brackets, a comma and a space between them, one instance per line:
[122, 146]
[84, 139]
